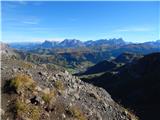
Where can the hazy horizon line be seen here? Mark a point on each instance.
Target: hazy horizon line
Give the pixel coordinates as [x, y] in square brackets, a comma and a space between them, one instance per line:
[9, 42]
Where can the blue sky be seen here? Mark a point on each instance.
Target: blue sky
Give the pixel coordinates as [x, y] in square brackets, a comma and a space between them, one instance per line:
[38, 21]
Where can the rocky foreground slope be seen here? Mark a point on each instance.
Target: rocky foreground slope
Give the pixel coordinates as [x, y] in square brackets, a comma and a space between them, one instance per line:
[38, 92]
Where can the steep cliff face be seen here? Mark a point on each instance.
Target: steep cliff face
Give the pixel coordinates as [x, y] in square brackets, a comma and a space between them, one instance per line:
[38, 92]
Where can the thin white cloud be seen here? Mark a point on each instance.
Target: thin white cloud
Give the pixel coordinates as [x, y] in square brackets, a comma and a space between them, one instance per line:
[30, 22]
[134, 29]
[21, 38]
[22, 2]
[37, 3]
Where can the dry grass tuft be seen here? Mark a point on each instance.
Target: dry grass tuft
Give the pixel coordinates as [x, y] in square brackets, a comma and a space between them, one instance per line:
[27, 111]
[77, 113]
[59, 85]
[47, 96]
[21, 107]
[22, 81]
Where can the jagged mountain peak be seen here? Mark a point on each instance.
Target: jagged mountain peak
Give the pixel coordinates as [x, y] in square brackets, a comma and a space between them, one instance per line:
[49, 44]
[71, 43]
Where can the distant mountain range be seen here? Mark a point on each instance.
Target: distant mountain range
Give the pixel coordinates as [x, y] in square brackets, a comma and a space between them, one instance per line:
[69, 43]
[74, 43]
[78, 55]
[107, 42]
[24, 45]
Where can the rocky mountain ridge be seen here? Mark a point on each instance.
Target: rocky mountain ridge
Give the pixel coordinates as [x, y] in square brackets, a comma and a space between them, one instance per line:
[112, 64]
[71, 43]
[77, 56]
[38, 92]
[74, 43]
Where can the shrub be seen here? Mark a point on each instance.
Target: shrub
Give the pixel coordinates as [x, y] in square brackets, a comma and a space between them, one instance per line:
[59, 85]
[21, 81]
[24, 110]
[77, 113]
[35, 113]
[21, 108]
[47, 96]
